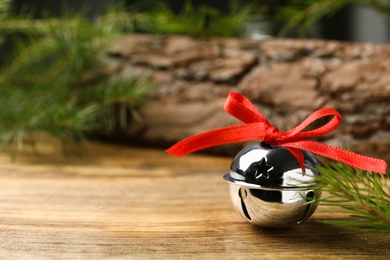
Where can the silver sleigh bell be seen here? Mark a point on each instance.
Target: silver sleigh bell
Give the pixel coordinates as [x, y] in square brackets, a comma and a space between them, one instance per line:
[267, 186]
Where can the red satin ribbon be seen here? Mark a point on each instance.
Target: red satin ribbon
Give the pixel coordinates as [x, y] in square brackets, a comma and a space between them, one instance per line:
[257, 127]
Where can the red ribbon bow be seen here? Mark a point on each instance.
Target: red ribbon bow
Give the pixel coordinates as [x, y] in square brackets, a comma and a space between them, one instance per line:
[257, 127]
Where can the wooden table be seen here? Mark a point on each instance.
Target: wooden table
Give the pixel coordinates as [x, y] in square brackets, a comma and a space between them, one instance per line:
[119, 202]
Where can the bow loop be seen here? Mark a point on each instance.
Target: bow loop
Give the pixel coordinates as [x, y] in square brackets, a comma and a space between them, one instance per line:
[257, 127]
[241, 108]
[331, 125]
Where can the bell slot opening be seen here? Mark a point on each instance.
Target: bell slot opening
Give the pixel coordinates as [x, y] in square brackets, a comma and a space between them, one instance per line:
[309, 197]
[243, 195]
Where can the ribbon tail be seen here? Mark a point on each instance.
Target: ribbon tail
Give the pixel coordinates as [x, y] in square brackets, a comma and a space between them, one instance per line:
[299, 156]
[226, 135]
[350, 158]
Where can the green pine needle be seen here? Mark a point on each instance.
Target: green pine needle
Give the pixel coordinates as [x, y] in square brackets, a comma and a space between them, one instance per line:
[365, 196]
[301, 15]
[200, 21]
[45, 78]
[46, 87]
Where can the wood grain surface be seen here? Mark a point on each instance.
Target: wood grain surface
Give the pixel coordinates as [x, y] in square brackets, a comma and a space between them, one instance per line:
[114, 202]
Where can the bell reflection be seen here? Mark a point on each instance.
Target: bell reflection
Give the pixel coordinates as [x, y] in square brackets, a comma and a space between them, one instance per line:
[273, 208]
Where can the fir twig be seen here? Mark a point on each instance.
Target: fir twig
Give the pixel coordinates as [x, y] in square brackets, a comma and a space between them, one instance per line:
[44, 86]
[300, 15]
[198, 20]
[44, 78]
[364, 195]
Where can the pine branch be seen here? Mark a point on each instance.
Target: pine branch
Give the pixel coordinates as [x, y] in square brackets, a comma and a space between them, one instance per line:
[44, 89]
[302, 17]
[44, 86]
[364, 195]
[198, 21]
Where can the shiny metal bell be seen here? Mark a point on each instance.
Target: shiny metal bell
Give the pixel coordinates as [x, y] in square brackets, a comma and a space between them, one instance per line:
[267, 186]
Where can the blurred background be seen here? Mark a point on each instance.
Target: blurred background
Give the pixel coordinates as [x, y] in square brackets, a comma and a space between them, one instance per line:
[353, 20]
[60, 75]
